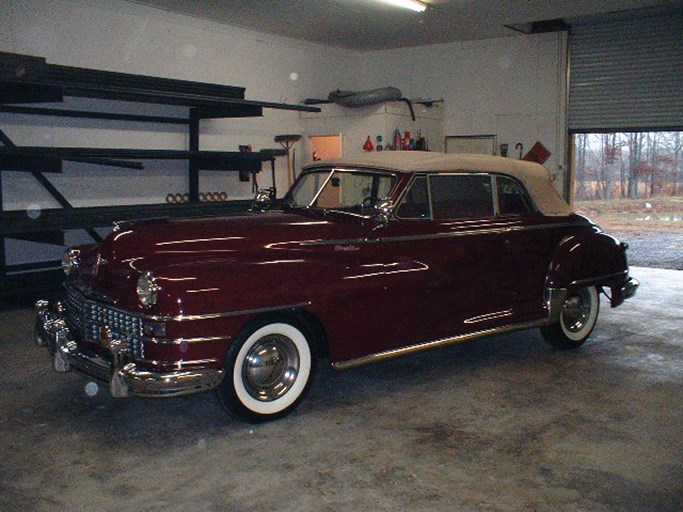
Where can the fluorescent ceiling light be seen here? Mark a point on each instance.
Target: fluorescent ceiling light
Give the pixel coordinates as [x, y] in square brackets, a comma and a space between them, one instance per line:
[413, 5]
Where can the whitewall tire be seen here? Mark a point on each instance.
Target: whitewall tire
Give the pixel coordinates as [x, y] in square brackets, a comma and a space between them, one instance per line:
[268, 370]
[577, 319]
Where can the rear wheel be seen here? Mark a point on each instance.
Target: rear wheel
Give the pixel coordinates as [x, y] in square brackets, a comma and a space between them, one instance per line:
[268, 369]
[577, 319]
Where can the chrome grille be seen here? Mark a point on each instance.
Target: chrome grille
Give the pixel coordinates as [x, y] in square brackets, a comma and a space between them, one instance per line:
[87, 318]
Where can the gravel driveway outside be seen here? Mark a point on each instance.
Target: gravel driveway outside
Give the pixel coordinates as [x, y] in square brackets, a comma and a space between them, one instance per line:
[655, 249]
[652, 227]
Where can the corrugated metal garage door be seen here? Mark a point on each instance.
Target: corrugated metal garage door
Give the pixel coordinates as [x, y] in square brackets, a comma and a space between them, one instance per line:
[627, 75]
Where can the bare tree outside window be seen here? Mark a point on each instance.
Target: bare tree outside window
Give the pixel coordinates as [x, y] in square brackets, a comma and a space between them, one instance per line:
[628, 165]
[631, 184]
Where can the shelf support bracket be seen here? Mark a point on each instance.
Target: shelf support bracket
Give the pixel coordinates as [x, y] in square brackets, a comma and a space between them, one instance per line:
[193, 164]
[47, 185]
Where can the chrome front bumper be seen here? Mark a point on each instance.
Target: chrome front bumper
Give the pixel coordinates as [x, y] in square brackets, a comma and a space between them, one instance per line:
[124, 377]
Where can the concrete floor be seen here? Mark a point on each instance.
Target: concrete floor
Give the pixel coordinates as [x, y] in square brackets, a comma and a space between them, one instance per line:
[504, 424]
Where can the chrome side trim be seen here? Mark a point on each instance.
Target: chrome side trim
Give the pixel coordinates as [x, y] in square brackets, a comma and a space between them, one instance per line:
[340, 241]
[435, 236]
[89, 295]
[390, 354]
[489, 316]
[178, 365]
[183, 341]
[209, 316]
[605, 277]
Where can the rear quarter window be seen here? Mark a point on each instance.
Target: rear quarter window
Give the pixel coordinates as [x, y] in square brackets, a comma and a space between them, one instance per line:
[512, 198]
[461, 196]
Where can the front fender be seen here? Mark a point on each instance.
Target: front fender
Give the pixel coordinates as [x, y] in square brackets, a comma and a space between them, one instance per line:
[216, 287]
[588, 259]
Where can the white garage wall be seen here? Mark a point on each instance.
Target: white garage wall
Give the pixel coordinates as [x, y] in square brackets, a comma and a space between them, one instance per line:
[513, 87]
[125, 37]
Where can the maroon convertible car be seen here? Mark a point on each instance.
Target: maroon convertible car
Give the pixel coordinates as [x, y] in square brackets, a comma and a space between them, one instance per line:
[365, 258]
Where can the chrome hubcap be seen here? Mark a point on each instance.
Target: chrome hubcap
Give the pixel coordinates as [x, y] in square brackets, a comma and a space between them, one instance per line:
[576, 311]
[270, 368]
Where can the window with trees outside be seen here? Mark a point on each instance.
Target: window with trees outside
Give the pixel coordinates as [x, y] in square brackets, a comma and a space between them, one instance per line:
[631, 183]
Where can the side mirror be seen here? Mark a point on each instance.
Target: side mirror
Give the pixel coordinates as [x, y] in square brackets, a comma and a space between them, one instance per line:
[263, 200]
[383, 212]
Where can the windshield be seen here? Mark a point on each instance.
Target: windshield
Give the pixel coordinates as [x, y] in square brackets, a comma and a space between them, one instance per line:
[341, 190]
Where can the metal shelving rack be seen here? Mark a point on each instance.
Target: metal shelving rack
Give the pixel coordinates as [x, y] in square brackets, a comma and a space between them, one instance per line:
[31, 80]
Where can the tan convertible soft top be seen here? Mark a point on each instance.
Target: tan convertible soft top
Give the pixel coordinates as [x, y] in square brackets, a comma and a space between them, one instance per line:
[535, 177]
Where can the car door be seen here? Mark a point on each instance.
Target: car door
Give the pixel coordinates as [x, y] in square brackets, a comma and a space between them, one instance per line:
[529, 239]
[436, 266]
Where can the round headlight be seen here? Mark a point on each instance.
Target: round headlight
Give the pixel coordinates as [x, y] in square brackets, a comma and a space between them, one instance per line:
[70, 260]
[147, 289]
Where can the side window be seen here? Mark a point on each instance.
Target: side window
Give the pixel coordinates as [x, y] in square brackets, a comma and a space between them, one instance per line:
[415, 204]
[461, 196]
[349, 190]
[512, 199]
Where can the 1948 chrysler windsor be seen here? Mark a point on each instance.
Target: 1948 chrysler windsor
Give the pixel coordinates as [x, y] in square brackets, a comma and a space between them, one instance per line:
[365, 258]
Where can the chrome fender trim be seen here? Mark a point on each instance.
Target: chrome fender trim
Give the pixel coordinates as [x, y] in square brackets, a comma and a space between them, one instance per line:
[90, 295]
[599, 279]
[228, 314]
[183, 341]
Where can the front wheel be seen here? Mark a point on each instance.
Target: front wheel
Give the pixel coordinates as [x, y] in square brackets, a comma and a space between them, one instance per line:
[577, 319]
[267, 371]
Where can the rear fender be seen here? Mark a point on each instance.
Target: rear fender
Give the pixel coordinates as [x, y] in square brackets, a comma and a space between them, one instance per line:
[589, 259]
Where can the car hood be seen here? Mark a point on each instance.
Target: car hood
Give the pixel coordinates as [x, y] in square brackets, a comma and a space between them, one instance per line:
[156, 244]
[204, 251]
